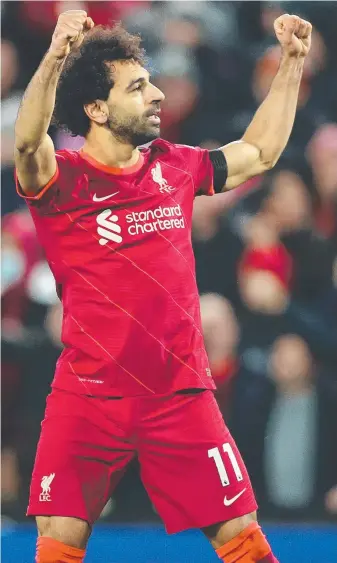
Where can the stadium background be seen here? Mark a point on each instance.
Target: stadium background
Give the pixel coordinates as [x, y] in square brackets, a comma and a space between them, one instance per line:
[266, 268]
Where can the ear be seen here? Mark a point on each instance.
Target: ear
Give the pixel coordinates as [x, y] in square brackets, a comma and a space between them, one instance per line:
[97, 111]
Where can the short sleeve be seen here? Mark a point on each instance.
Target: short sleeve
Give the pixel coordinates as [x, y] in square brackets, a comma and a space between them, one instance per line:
[201, 168]
[51, 191]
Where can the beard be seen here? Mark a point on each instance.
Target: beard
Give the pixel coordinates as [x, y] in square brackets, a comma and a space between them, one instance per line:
[132, 130]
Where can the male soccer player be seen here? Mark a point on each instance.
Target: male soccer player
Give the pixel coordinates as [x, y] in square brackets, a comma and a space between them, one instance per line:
[115, 223]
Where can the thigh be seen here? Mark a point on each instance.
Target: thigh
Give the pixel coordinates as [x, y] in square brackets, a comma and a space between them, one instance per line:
[82, 453]
[190, 465]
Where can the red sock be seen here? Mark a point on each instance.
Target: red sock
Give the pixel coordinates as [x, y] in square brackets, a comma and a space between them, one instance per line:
[49, 550]
[250, 546]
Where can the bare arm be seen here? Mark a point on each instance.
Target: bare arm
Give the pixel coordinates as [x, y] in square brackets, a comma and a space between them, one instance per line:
[269, 132]
[34, 150]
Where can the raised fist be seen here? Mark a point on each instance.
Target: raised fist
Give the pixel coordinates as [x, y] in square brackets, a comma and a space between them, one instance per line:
[294, 34]
[69, 32]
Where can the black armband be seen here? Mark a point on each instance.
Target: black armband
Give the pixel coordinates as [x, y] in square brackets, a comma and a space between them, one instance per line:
[220, 170]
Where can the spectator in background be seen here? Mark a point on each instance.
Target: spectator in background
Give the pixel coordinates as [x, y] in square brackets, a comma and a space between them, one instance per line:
[316, 80]
[29, 352]
[178, 78]
[330, 502]
[285, 270]
[322, 155]
[287, 205]
[267, 65]
[40, 18]
[10, 101]
[188, 24]
[303, 419]
[293, 412]
[19, 253]
[256, 21]
[302, 259]
[207, 33]
[291, 208]
[221, 334]
[208, 240]
[265, 269]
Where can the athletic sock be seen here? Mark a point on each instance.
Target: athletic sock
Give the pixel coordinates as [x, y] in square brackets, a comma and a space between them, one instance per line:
[250, 546]
[49, 550]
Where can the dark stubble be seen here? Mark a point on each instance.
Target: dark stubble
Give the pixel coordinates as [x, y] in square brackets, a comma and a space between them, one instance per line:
[133, 130]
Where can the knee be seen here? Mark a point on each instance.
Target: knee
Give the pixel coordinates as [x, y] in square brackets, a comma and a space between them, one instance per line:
[223, 532]
[72, 532]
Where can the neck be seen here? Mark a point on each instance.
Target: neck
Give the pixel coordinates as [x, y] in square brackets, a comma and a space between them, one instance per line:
[109, 151]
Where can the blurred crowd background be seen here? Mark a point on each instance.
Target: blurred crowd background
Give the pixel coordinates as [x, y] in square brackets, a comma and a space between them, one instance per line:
[266, 253]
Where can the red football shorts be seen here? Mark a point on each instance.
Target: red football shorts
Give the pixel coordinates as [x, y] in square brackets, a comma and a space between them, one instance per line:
[190, 465]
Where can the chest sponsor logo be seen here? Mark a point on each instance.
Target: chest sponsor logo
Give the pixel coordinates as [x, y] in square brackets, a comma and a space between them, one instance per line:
[138, 222]
[108, 227]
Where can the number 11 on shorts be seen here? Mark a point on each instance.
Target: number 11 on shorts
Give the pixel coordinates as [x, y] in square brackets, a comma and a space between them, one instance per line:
[216, 455]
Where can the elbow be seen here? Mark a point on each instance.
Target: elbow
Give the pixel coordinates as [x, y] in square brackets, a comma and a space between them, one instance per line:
[270, 155]
[268, 164]
[266, 155]
[268, 161]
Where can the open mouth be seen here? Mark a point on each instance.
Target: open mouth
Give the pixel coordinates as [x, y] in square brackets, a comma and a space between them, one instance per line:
[154, 118]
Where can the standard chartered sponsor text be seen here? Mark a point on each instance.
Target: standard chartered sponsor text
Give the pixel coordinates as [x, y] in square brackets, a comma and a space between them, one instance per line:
[159, 219]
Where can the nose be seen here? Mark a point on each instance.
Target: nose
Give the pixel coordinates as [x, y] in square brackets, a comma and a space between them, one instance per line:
[157, 95]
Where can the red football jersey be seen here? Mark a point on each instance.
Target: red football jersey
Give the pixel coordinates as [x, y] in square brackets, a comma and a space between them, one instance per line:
[118, 242]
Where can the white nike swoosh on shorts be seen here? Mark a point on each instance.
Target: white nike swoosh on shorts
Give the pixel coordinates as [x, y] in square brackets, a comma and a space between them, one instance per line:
[95, 198]
[229, 501]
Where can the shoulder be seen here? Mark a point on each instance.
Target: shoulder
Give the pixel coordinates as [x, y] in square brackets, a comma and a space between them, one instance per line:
[72, 159]
[192, 161]
[68, 182]
[177, 153]
[71, 168]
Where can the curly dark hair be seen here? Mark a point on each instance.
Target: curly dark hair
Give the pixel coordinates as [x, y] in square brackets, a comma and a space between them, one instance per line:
[86, 76]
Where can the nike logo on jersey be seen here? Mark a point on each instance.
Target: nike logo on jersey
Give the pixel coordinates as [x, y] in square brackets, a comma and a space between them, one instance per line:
[229, 501]
[95, 198]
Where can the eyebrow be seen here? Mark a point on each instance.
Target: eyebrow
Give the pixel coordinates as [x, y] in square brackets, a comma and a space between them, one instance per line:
[140, 80]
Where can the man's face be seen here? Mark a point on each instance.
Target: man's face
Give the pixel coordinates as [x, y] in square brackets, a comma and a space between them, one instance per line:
[134, 105]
